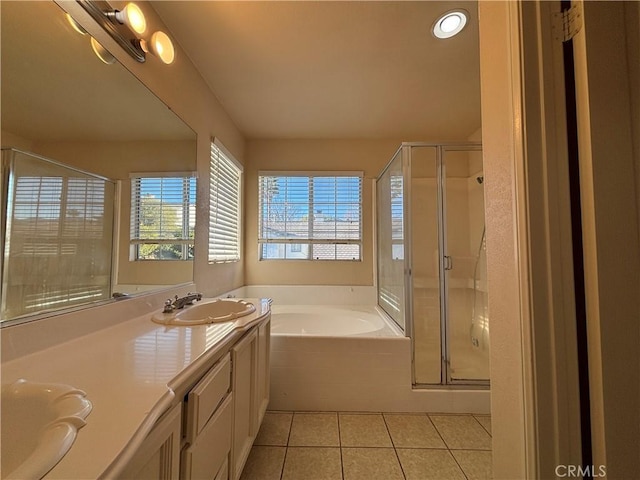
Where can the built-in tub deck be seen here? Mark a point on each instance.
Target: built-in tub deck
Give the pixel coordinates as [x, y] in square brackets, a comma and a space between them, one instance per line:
[332, 349]
[332, 321]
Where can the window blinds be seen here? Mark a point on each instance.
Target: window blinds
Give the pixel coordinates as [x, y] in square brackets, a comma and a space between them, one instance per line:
[162, 216]
[224, 206]
[310, 216]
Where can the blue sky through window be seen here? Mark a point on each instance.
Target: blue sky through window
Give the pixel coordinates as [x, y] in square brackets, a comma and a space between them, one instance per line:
[334, 197]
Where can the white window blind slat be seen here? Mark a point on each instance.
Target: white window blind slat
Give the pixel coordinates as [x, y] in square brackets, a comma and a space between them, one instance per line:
[224, 206]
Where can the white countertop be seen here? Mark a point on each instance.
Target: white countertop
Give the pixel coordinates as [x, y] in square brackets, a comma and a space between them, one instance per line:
[129, 372]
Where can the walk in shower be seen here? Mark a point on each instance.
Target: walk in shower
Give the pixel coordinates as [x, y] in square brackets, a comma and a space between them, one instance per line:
[431, 259]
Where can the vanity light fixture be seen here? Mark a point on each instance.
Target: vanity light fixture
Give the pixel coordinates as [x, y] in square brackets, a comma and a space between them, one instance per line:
[160, 45]
[75, 25]
[450, 23]
[102, 53]
[131, 16]
[127, 27]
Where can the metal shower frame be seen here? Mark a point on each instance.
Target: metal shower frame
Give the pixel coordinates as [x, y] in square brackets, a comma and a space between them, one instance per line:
[405, 151]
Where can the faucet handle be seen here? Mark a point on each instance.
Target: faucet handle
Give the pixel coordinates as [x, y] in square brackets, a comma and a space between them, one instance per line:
[194, 296]
[168, 306]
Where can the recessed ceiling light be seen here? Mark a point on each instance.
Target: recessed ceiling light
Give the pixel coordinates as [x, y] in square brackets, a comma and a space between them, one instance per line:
[450, 24]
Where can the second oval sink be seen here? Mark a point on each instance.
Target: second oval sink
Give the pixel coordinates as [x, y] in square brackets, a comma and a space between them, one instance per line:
[215, 311]
[40, 422]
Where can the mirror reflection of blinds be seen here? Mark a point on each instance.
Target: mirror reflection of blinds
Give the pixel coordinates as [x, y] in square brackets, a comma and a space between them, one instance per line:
[224, 206]
[54, 221]
[59, 207]
[163, 216]
[313, 217]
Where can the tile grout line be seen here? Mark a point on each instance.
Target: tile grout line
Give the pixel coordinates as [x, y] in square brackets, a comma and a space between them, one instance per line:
[393, 444]
[458, 463]
[286, 450]
[435, 427]
[340, 445]
[485, 429]
[464, 474]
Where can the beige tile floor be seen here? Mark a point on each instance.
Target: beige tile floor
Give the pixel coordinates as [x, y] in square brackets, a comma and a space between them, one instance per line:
[370, 446]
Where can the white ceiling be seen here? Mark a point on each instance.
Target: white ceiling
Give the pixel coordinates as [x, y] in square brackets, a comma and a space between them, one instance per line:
[334, 69]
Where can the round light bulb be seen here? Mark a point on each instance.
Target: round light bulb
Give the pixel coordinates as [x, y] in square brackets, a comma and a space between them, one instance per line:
[162, 47]
[450, 24]
[102, 53]
[131, 15]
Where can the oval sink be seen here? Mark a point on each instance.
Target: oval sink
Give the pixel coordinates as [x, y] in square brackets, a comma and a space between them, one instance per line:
[40, 422]
[215, 311]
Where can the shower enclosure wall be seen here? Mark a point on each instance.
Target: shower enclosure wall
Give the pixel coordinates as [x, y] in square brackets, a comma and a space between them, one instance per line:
[431, 261]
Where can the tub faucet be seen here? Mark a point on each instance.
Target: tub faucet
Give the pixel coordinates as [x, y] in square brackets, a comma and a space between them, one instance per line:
[188, 299]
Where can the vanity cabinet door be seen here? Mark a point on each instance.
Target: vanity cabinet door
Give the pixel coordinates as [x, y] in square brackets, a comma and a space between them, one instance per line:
[264, 379]
[158, 458]
[206, 396]
[244, 358]
[208, 455]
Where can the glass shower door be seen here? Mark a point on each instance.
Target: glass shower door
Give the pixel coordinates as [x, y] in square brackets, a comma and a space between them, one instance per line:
[390, 226]
[431, 259]
[467, 329]
[425, 266]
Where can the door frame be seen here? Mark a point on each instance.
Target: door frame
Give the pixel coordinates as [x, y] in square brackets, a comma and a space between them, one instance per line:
[533, 374]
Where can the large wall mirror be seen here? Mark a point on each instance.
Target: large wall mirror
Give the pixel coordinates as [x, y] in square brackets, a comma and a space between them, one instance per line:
[60, 101]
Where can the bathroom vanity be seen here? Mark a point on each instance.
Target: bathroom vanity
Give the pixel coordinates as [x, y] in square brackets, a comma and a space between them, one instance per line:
[169, 402]
[222, 413]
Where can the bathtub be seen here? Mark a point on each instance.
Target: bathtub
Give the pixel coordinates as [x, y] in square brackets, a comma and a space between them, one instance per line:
[331, 321]
[333, 350]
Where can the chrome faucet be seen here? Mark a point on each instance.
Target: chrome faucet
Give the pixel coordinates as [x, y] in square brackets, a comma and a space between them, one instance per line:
[168, 306]
[188, 299]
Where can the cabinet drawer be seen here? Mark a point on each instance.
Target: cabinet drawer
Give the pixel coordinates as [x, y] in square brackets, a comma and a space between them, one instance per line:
[207, 456]
[205, 397]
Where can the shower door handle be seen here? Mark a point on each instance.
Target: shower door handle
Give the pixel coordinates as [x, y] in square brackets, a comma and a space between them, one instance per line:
[448, 262]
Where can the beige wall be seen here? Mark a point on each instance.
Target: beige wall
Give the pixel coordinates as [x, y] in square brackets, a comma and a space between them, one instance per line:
[301, 155]
[10, 140]
[181, 87]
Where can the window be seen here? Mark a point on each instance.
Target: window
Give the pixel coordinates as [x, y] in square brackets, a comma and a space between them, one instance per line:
[310, 216]
[397, 217]
[162, 216]
[224, 205]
